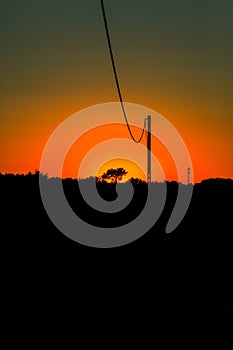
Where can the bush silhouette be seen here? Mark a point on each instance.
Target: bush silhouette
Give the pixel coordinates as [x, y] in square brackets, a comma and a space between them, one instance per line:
[114, 175]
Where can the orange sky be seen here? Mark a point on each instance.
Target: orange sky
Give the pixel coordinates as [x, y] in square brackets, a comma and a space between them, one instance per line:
[209, 145]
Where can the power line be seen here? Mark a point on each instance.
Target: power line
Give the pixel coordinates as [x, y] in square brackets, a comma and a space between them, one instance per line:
[116, 77]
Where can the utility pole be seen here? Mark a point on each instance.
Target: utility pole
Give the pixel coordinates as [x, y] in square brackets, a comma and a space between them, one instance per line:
[149, 148]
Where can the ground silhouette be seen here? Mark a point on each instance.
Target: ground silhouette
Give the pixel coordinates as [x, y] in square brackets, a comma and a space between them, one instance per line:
[189, 271]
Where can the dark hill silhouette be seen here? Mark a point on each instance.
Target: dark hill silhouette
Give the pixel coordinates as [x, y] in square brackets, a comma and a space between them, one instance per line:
[189, 271]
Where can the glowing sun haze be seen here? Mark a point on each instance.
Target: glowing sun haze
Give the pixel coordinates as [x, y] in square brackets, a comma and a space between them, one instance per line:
[133, 170]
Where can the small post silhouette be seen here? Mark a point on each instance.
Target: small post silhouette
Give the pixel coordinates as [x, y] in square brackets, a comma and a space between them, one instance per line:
[189, 170]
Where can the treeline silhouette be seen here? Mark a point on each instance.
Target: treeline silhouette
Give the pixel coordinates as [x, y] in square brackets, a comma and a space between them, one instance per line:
[189, 270]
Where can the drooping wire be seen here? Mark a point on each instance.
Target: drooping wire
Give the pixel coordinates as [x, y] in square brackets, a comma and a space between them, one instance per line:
[116, 77]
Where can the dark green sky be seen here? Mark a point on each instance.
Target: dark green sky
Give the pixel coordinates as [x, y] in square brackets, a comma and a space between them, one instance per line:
[156, 43]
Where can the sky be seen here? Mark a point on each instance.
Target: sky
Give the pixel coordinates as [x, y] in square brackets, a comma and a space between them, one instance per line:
[174, 57]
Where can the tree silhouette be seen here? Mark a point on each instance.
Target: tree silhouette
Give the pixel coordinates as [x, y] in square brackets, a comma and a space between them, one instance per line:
[114, 175]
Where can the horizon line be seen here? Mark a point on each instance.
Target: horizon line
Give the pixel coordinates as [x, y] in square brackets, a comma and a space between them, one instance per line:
[30, 173]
